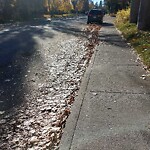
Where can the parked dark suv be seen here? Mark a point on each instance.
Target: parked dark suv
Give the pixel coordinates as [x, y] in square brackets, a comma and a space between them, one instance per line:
[95, 15]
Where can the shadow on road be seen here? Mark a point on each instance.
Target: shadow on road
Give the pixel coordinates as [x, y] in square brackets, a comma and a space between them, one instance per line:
[106, 36]
[68, 28]
[111, 38]
[105, 24]
[18, 41]
[17, 49]
[18, 46]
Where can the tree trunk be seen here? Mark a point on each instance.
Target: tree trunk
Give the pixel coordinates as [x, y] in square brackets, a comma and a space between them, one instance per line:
[135, 4]
[144, 15]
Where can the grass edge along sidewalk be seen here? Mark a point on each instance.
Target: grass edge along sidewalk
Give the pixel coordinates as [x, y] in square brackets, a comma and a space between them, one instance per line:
[140, 40]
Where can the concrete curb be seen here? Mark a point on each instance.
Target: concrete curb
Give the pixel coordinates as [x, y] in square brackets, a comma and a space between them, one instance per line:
[72, 120]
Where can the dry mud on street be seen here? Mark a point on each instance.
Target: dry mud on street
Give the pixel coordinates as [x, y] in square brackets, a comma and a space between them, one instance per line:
[50, 84]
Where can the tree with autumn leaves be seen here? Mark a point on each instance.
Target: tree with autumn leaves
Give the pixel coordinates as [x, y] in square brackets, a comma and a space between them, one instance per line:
[114, 5]
[140, 11]
[58, 6]
[24, 9]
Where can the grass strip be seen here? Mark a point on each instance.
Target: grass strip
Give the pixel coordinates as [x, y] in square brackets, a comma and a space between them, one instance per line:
[140, 40]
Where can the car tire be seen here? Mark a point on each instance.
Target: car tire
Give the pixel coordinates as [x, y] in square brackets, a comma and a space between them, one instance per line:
[88, 22]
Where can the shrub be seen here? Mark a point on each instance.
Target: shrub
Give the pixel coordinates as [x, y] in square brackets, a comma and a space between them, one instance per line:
[123, 16]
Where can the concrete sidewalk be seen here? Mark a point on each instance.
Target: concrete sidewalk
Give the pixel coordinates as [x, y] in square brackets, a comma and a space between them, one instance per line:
[112, 111]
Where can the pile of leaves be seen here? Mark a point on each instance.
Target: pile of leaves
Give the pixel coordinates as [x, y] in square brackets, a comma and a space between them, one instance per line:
[92, 32]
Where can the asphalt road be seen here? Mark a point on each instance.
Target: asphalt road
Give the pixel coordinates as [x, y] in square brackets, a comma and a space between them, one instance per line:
[21, 44]
[40, 76]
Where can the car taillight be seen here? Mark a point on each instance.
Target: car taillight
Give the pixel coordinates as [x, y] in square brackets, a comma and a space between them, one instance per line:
[89, 14]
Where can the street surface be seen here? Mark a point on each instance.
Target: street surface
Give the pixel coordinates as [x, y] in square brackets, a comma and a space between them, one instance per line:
[41, 67]
[22, 45]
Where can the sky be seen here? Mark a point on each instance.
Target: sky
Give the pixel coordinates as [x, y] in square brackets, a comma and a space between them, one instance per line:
[96, 1]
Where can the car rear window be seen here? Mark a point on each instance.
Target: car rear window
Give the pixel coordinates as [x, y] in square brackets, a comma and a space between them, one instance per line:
[95, 12]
